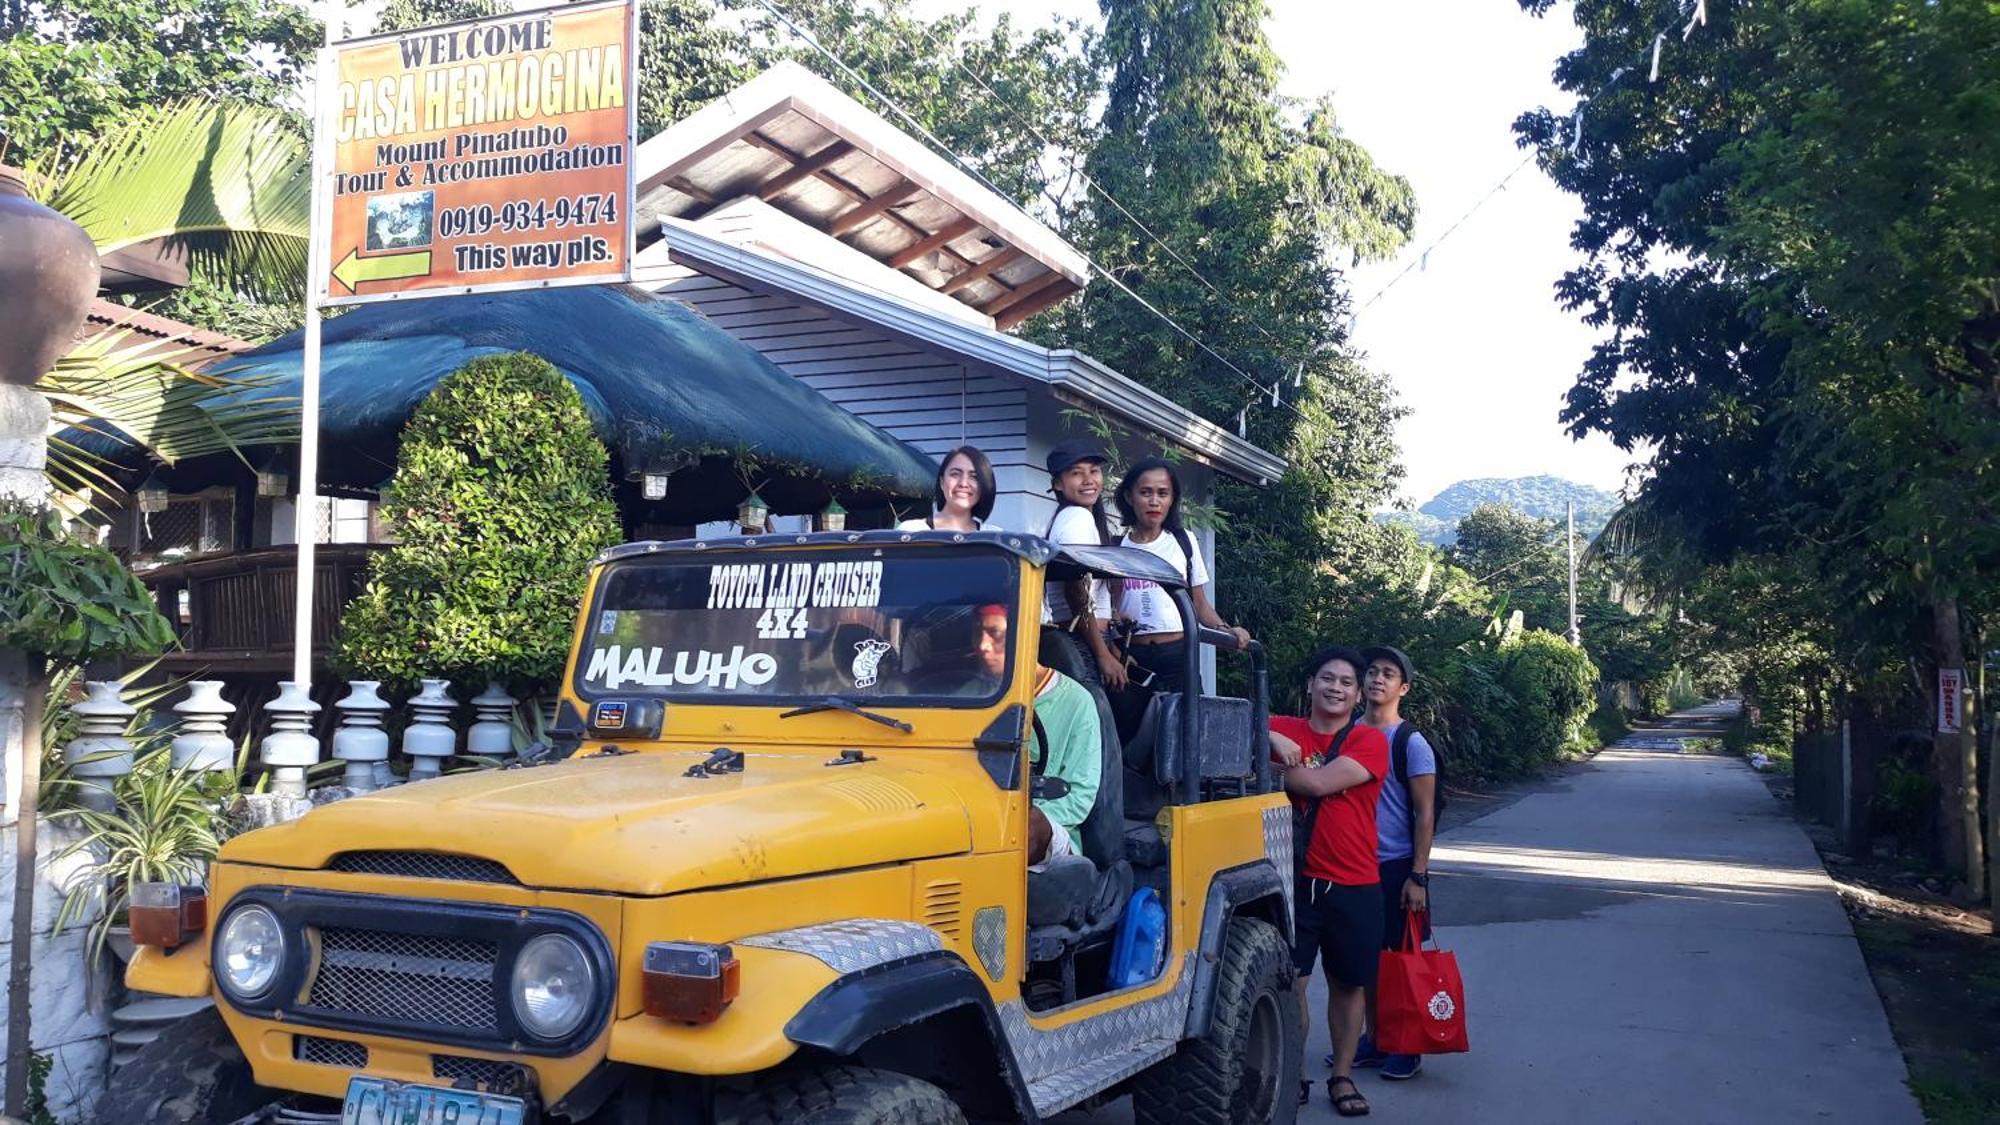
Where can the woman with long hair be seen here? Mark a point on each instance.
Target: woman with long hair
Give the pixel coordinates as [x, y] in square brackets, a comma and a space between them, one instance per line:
[1149, 501]
[961, 497]
[1076, 476]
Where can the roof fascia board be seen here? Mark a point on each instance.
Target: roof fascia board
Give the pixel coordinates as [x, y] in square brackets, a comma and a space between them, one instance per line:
[1068, 369]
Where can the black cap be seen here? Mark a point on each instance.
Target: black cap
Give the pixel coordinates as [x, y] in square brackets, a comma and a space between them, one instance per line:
[1395, 655]
[1074, 450]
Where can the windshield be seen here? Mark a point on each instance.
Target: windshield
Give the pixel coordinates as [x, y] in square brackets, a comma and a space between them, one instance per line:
[913, 626]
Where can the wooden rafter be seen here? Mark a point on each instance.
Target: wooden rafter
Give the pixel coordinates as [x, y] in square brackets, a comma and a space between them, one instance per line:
[854, 192]
[1013, 308]
[803, 168]
[999, 259]
[681, 184]
[927, 242]
[861, 216]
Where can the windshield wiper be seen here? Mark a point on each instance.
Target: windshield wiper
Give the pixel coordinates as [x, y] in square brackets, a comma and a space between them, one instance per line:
[841, 703]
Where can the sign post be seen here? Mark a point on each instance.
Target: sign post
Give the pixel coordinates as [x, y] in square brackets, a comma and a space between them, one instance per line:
[1950, 700]
[472, 157]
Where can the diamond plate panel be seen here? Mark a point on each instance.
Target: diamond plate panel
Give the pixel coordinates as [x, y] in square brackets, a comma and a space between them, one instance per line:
[853, 944]
[1278, 845]
[989, 939]
[1066, 1064]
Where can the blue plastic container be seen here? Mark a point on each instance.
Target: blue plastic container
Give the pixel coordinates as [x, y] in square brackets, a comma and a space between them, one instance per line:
[1141, 944]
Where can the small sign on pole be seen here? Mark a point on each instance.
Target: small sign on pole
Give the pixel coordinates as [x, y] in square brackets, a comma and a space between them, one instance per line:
[479, 156]
[1951, 700]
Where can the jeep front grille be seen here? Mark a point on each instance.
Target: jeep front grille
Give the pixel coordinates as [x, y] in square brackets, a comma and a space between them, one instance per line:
[407, 978]
[479, 1074]
[320, 1051]
[424, 865]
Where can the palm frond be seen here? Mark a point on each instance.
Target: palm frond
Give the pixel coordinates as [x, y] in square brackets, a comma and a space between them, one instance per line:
[227, 183]
[132, 391]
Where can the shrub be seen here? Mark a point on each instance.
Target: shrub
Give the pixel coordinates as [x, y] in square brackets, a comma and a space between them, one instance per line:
[1552, 689]
[499, 502]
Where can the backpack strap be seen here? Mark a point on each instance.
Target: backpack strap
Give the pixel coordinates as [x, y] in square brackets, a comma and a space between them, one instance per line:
[1311, 820]
[1041, 747]
[1187, 552]
[1399, 753]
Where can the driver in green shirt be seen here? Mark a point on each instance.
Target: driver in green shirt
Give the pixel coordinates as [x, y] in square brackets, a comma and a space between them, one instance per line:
[1074, 754]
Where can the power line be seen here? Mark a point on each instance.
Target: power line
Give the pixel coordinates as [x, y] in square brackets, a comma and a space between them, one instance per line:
[1424, 255]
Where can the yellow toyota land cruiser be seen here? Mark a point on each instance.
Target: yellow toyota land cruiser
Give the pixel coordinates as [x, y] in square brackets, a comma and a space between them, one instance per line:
[773, 868]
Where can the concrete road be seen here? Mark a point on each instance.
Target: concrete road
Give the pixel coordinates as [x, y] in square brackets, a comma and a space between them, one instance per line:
[1647, 938]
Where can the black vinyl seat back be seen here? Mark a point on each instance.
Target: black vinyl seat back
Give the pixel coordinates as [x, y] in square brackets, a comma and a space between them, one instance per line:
[1103, 832]
[1156, 759]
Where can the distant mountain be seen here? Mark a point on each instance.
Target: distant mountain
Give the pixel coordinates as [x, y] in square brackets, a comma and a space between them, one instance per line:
[1436, 522]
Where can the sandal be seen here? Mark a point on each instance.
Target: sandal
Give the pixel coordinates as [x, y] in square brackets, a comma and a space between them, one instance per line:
[1305, 1091]
[1350, 1104]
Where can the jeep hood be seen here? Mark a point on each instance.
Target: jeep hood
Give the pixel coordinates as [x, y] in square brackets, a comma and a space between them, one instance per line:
[634, 824]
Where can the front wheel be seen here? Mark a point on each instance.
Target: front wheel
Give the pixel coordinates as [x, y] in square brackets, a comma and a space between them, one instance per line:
[191, 1075]
[843, 1095]
[1246, 1069]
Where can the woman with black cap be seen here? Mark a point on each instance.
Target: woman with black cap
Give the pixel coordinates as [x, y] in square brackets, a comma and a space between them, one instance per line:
[1076, 476]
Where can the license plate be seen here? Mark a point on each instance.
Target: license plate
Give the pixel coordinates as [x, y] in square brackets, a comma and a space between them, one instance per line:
[377, 1101]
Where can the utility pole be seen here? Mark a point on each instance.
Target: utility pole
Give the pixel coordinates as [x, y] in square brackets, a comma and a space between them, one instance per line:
[1575, 635]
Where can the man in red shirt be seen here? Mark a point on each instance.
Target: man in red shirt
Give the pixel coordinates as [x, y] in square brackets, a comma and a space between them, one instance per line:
[1337, 764]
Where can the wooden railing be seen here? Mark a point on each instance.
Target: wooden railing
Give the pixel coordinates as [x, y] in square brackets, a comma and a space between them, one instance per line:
[234, 611]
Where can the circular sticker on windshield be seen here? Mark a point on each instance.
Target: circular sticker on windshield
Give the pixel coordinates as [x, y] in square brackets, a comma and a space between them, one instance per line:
[867, 667]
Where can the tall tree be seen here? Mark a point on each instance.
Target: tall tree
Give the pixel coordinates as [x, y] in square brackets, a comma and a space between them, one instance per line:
[68, 68]
[1245, 200]
[1794, 237]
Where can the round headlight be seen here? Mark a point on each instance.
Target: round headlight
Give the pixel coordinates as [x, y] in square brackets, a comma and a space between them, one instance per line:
[553, 986]
[249, 951]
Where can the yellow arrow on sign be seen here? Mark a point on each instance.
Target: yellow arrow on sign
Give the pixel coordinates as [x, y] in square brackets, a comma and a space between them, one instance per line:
[355, 269]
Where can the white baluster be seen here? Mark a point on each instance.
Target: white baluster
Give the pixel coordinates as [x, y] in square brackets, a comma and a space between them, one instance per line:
[493, 735]
[203, 743]
[101, 753]
[429, 739]
[290, 747]
[361, 742]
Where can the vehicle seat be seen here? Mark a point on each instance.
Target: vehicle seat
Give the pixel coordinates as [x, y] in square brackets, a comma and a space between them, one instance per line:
[1077, 912]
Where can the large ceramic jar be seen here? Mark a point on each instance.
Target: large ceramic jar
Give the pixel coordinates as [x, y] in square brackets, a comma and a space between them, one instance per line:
[48, 274]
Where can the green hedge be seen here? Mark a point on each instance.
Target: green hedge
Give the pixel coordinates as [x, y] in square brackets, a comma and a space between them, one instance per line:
[499, 502]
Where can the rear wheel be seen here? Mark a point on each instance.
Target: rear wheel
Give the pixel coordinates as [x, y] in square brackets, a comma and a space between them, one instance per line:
[1246, 1069]
[843, 1095]
[191, 1075]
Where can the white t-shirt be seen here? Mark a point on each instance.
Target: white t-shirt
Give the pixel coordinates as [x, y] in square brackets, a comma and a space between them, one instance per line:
[1074, 525]
[923, 523]
[1148, 604]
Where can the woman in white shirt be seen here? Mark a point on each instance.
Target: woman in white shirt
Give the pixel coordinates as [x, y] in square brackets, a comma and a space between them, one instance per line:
[962, 495]
[1149, 501]
[1076, 476]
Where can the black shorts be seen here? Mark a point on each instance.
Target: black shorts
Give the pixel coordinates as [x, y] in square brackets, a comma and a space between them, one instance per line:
[1395, 872]
[1343, 924]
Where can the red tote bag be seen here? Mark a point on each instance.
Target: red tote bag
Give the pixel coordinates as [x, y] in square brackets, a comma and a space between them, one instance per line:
[1420, 1000]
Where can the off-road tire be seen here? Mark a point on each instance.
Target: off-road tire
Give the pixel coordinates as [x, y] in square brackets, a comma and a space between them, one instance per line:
[191, 1075]
[844, 1095]
[1214, 1080]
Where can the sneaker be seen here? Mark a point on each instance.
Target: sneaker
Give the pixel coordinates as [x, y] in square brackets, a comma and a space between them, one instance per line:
[1365, 1054]
[1399, 1068]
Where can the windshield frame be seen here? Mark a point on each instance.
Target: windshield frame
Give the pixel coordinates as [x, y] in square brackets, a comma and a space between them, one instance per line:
[601, 583]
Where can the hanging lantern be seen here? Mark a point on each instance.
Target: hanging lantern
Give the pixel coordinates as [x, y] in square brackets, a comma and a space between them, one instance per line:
[151, 494]
[833, 517]
[752, 512]
[271, 477]
[653, 482]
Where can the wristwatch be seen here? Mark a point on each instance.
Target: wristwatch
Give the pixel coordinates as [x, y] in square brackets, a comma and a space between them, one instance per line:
[1420, 878]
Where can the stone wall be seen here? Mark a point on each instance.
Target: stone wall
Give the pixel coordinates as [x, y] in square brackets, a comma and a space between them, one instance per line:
[68, 1002]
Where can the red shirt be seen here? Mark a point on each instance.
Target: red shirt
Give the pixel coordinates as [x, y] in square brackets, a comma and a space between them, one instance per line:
[1342, 849]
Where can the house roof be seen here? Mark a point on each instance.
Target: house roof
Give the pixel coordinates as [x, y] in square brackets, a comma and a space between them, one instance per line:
[794, 140]
[661, 384]
[179, 343]
[1069, 373]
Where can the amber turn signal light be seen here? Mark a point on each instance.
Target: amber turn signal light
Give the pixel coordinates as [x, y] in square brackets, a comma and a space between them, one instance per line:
[690, 981]
[168, 915]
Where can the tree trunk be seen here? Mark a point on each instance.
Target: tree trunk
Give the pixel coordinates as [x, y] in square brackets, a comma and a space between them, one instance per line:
[1954, 762]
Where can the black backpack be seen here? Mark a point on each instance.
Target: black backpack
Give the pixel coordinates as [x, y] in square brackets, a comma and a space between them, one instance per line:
[1399, 766]
[1306, 819]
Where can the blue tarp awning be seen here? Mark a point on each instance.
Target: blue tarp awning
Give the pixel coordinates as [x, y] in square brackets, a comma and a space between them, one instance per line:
[661, 384]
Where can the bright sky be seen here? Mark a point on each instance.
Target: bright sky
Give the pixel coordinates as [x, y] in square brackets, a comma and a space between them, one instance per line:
[1473, 339]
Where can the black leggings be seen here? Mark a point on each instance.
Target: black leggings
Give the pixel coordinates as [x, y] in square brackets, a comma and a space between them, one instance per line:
[1167, 663]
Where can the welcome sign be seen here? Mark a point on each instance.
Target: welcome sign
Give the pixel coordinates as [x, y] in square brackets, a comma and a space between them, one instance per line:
[492, 154]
